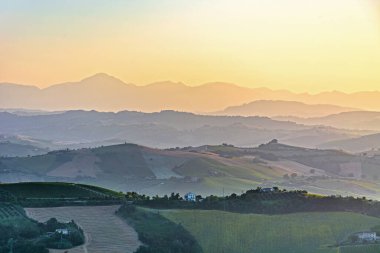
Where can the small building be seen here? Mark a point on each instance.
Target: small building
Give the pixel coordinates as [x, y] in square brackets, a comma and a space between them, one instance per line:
[366, 236]
[190, 197]
[267, 190]
[62, 231]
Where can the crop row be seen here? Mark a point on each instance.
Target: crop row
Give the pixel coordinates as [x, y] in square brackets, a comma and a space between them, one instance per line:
[8, 211]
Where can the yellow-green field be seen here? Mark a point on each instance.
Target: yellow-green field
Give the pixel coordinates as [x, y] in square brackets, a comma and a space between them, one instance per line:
[361, 249]
[219, 232]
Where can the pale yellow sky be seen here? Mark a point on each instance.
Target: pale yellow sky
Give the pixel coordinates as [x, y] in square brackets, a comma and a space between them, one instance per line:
[300, 45]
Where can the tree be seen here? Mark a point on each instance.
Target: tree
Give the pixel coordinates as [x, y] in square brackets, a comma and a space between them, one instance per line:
[274, 141]
[353, 238]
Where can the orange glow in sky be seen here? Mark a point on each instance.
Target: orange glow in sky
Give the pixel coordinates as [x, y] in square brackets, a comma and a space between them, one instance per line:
[301, 45]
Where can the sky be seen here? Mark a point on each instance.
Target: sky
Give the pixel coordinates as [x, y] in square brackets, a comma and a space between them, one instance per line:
[299, 45]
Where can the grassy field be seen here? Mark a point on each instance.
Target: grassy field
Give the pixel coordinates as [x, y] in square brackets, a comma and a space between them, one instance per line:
[56, 190]
[361, 249]
[246, 233]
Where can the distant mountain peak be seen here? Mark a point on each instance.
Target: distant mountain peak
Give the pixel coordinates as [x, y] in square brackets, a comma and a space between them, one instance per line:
[101, 77]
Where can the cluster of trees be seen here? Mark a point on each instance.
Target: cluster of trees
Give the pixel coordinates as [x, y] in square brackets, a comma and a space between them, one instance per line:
[274, 201]
[158, 234]
[54, 240]
[19, 240]
[33, 237]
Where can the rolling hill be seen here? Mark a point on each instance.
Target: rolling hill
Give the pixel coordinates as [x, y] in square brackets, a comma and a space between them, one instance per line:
[13, 149]
[76, 129]
[270, 108]
[205, 169]
[359, 144]
[359, 120]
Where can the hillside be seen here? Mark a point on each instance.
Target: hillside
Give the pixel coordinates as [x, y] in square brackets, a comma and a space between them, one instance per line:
[76, 129]
[205, 169]
[359, 144]
[218, 231]
[358, 120]
[40, 190]
[270, 108]
[13, 149]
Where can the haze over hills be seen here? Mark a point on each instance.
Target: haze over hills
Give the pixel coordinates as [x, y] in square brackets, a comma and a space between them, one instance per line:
[367, 143]
[166, 129]
[207, 169]
[348, 120]
[271, 108]
[106, 93]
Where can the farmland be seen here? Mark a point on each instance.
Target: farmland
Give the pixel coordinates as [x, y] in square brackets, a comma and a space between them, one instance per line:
[9, 213]
[105, 232]
[56, 190]
[218, 231]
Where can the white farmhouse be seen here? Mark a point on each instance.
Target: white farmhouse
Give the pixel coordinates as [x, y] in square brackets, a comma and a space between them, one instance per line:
[62, 231]
[367, 236]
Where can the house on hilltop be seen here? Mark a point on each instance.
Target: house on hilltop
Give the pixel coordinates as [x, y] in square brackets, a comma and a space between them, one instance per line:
[266, 190]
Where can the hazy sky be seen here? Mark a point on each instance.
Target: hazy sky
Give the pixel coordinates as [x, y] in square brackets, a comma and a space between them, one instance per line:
[301, 45]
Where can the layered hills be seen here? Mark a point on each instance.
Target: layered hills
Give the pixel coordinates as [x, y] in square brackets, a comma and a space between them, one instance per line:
[106, 93]
[205, 169]
[73, 129]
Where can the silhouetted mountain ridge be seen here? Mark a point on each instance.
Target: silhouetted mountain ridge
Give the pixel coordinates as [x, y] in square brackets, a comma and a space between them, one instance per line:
[106, 93]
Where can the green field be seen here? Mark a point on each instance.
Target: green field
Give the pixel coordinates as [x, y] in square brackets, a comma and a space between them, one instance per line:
[361, 249]
[218, 231]
[56, 190]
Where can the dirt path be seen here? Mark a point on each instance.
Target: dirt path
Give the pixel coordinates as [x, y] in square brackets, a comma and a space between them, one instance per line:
[105, 232]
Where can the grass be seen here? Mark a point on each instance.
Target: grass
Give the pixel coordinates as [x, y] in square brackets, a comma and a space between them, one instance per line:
[218, 231]
[202, 167]
[361, 249]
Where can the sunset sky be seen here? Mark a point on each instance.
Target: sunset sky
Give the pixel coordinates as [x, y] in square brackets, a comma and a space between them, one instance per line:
[300, 45]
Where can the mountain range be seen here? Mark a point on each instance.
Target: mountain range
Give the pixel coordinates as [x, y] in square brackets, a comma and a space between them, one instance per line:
[106, 93]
